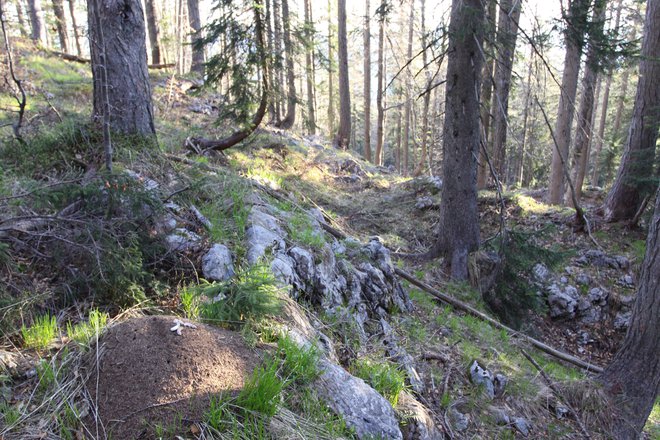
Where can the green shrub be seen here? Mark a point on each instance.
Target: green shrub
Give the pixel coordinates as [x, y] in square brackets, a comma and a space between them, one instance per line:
[252, 294]
[384, 377]
[41, 333]
[85, 332]
[300, 363]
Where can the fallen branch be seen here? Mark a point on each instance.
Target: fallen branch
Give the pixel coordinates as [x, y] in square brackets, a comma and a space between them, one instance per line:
[558, 393]
[81, 60]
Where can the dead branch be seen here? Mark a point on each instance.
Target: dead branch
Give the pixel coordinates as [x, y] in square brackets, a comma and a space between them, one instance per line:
[558, 393]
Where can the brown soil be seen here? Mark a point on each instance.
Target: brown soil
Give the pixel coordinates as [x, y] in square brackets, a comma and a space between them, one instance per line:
[150, 376]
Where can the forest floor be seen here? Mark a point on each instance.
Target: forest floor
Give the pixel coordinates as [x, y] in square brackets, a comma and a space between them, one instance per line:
[356, 197]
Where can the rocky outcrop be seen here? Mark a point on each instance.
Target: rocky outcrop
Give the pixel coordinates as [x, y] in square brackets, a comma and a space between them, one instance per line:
[217, 263]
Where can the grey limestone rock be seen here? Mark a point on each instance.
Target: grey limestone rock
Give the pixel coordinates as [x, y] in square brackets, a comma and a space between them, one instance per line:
[482, 377]
[259, 239]
[419, 422]
[183, 240]
[217, 263]
[459, 421]
[563, 301]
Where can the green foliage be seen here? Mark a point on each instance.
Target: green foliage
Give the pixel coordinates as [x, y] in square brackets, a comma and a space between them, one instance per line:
[228, 215]
[85, 332]
[190, 303]
[300, 363]
[384, 377]
[41, 333]
[252, 294]
[47, 375]
[262, 391]
[302, 231]
[304, 400]
[10, 414]
[514, 296]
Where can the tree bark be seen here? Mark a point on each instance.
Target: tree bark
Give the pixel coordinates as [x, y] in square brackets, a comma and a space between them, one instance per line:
[633, 181]
[21, 19]
[408, 106]
[633, 376]
[367, 81]
[380, 107]
[507, 33]
[331, 72]
[290, 117]
[598, 146]
[459, 220]
[342, 139]
[574, 40]
[309, 67]
[60, 24]
[427, 97]
[38, 24]
[74, 25]
[486, 94]
[118, 25]
[198, 59]
[152, 30]
[584, 123]
[527, 103]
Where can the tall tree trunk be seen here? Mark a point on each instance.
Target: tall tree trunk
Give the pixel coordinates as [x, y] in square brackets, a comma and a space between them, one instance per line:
[427, 97]
[270, 42]
[152, 30]
[625, 79]
[21, 19]
[37, 21]
[74, 24]
[574, 40]
[197, 64]
[118, 49]
[290, 117]
[342, 138]
[309, 68]
[598, 146]
[459, 219]
[408, 90]
[586, 110]
[507, 33]
[526, 105]
[486, 94]
[367, 81]
[380, 92]
[633, 376]
[60, 25]
[331, 72]
[633, 181]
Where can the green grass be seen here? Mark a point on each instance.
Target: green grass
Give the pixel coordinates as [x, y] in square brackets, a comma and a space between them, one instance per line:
[41, 333]
[302, 231]
[190, 304]
[423, 300]
[85, 332]
[9, 413]
[300, 363]
[384, 377]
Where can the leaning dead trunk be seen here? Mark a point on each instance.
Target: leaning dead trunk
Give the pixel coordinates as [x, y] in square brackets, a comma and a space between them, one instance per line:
[60, 25]
[37, 21]
[152, 28]
[342, 138]
[290, 117]
[367, 81]
[197, 65]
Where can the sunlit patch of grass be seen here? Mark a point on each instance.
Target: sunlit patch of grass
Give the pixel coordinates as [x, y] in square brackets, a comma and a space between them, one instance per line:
[652, 426]
[41, 333]
[422, 299]
[384, 377]
[85, 332]
[529, 205]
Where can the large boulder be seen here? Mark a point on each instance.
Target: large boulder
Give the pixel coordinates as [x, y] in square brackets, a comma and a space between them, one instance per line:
[217, 263]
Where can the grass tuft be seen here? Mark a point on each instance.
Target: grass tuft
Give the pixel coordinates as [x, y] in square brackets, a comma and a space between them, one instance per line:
[41, 333]
[384, 377]
[84, 332]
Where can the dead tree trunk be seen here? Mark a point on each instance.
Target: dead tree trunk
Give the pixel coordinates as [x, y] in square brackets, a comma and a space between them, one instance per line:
[37, 21]
[380, 107]
[152, 30]
[486, 94]
[427, 98]
[198, 58]
[331, 72]
[408, 105]
[309, 67]
[74, 25]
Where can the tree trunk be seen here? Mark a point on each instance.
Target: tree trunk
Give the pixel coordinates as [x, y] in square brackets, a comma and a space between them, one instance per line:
[60, 25]
[272, 111]
[633, 181]
[37, 21]
[586, 110]
[342, 139]
[598, 146]
[459, 220]
[331, 71]
[290, 117]
[21, 19]
[195, 23]
[408, 106]
[367, 81]
[74, 24]
[380, 92]
[152, 30]
[526, 105]
[427, 98]
[486, 93]
[507, 33]
[633, 376]
[574, 40]
[117, 45]
[309, 68]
